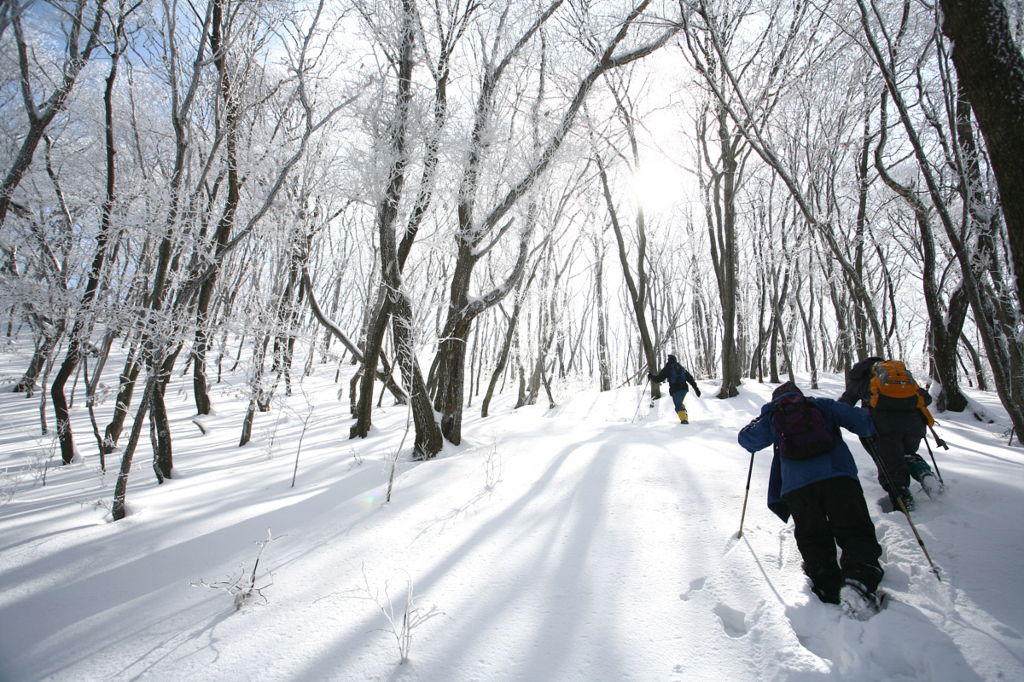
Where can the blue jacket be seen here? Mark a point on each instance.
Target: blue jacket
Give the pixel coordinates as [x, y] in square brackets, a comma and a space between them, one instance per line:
[790, 474]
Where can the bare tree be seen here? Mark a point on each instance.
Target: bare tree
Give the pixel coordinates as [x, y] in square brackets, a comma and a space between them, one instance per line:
[995, 313]
[84, 321]
[76, 56]
[477, 236]
[991, 70]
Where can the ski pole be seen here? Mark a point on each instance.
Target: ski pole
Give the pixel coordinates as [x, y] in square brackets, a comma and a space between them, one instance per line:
[903, 507]
[641, 400]
[937, 472]
[745, 495]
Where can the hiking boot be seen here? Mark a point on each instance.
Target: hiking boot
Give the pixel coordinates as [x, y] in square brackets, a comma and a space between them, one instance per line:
[682, 417]
[908, 499]
[826, 596]
[932, 486]
[857, 601]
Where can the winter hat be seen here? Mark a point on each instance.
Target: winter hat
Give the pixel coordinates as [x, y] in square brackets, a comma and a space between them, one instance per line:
[671, 358]
[788, 387]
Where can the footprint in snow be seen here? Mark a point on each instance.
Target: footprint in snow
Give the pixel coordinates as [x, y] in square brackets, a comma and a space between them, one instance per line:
[734, 622]
[1006, 631]
[695, 586]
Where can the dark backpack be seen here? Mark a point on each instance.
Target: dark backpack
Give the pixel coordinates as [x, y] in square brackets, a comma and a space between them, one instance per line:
[801, 428]
[676, 374]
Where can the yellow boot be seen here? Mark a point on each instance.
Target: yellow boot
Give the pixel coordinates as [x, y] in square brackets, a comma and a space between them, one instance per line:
[682, 416]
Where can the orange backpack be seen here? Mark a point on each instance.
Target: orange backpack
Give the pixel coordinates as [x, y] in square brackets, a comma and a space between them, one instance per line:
[893, 388]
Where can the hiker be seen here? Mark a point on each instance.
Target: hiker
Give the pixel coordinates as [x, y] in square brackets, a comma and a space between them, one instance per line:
[677, 377]
[901, 423]
[814, 479]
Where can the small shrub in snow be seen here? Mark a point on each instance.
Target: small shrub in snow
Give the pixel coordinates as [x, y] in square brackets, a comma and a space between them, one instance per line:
[298, 450]
[94, 503]
[405, 621]
[243, 587]
[392, 463]
[493, 462]
[12, 479]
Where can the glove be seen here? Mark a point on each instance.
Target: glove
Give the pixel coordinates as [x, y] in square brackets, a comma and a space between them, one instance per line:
[650, 376]
[697, 391]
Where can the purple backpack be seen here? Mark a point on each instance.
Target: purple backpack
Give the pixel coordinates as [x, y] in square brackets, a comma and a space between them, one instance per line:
[801, 428]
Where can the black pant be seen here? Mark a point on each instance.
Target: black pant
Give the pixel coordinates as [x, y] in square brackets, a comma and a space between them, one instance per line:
[831, 512]
[890, 450]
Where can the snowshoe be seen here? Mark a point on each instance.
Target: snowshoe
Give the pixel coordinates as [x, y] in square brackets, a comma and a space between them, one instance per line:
[857, 602]
[908, 500]
[932, 486]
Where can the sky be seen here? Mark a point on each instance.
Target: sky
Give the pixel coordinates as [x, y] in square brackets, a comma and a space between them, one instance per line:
[574, 543]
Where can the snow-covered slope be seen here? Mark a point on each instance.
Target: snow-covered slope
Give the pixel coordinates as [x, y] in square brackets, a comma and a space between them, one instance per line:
[564, 544]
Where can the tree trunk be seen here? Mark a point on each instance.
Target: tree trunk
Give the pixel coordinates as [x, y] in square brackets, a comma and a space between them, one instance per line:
[84, 321]
[50, 336]
[991, 70]
[946, 325]
[506, 347]
[637, 288]
[219, 38]
[126, 387]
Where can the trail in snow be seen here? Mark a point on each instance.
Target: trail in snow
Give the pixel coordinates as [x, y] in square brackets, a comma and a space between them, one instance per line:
[563, 544]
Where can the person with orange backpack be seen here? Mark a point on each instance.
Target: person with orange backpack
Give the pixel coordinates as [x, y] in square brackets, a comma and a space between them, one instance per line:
[899, 409]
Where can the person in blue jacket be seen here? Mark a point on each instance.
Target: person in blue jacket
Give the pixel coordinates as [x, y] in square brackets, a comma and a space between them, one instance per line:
[677, 378]
[825, 499]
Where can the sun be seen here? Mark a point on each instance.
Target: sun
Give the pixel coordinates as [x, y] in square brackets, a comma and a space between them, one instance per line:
[660, 186]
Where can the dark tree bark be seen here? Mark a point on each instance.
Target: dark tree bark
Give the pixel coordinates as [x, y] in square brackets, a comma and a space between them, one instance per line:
[990, 68]
[381, 312]
[946, 326]
[428, 440]
[603, 361]
[720, 212]
[220, 35]
[84, 320]
[981, 281]
[125, 390]
[506, 347]
[335, 330]
[806, 320]
[50, 334]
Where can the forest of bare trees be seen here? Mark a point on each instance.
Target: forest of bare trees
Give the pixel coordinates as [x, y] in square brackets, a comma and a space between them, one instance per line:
[463, 198]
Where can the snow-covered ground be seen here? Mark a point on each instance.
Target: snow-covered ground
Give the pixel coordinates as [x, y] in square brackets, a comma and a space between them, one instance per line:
[564, 544]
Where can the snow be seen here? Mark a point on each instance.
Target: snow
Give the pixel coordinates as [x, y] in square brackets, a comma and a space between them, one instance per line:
[601, 550]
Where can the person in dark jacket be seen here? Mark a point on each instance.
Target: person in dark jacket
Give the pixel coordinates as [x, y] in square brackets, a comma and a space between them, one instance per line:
[677, 378]
[899, 436]
[824, 497]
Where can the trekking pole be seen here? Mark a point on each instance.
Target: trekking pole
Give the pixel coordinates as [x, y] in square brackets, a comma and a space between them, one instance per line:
[641, 400]
[634, 375]
[938, 441]
[745, 495]
[903, 507]
[937, 472]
